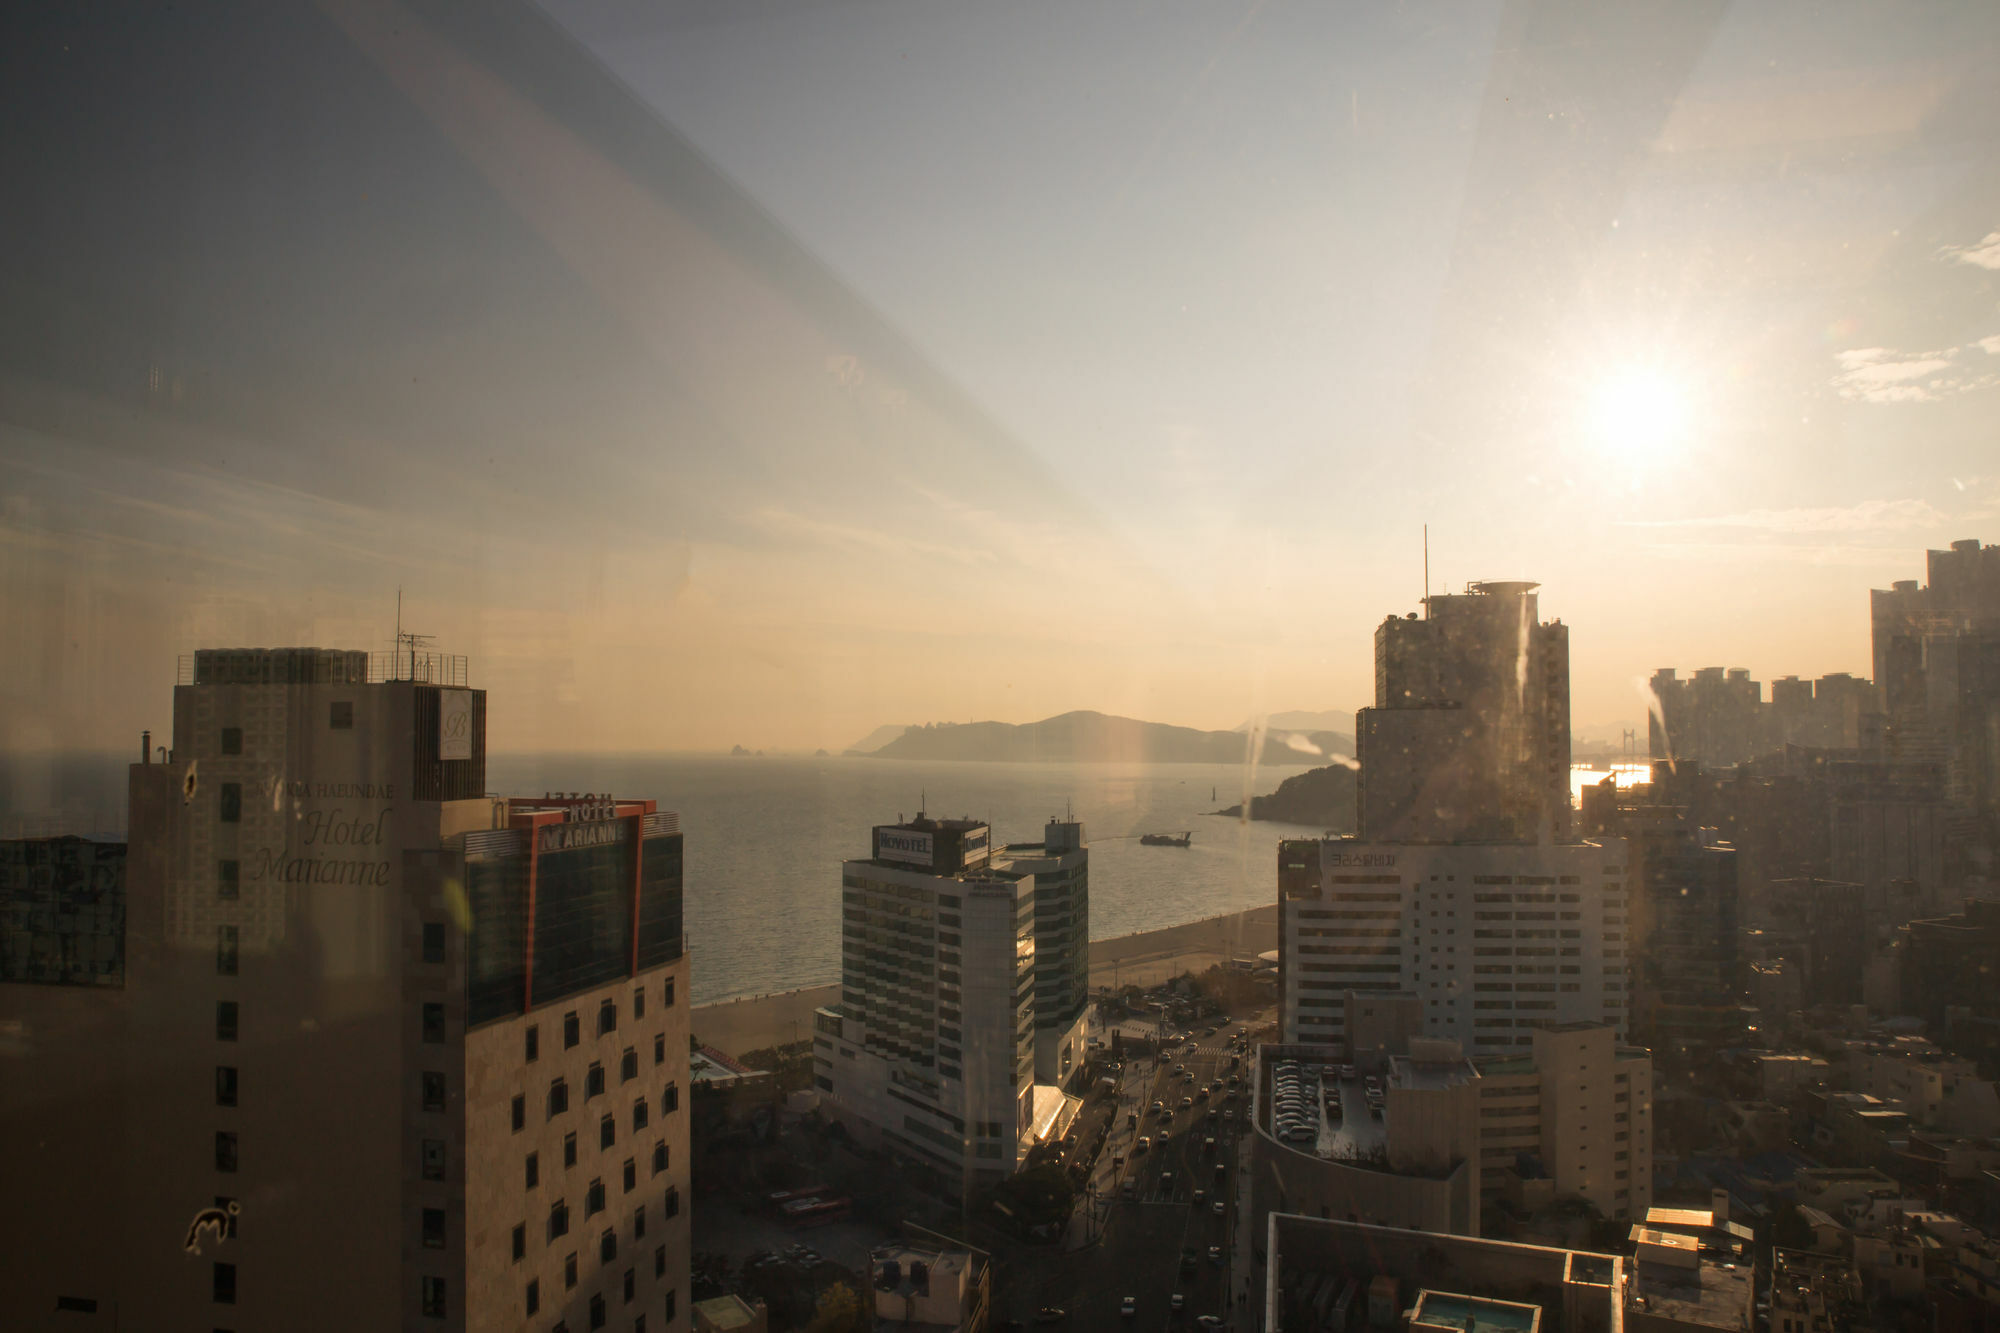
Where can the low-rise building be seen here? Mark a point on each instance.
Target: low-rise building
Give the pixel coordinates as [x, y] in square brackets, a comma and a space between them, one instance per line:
[1320, 1269]
[928, 1288]
[1577, 1112]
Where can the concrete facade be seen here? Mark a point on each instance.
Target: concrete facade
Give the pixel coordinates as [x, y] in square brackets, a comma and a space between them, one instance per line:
[1496, 940]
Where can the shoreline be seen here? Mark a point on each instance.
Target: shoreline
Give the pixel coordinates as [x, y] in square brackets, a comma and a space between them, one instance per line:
[1145, 957]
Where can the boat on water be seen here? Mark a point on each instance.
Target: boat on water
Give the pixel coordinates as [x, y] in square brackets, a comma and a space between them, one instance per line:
[1167, 840]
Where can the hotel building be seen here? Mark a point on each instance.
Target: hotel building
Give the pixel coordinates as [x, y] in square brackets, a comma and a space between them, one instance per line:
[932, 1048]
[382, 1051]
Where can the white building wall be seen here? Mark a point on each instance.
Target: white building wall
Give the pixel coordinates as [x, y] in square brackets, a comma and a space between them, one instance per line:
[1495, 940]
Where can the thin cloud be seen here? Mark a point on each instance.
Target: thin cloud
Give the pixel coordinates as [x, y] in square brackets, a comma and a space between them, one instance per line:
[1885, 375]
[1984, 253]
[1868, 516]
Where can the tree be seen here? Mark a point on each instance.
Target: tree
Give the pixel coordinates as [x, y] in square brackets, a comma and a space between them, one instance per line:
[839, 1311]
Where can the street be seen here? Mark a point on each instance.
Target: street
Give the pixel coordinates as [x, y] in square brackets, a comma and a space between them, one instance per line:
[1132, 1244]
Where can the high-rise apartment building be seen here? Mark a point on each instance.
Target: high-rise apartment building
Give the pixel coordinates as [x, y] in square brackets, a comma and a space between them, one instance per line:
[1720, 718]
[1463, 888]
[1060, 865]
[386, 1052]
[932, 1048]
[1469, 736]
[1494, 940]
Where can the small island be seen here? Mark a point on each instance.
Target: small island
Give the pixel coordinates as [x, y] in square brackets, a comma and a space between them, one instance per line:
[1319, 797]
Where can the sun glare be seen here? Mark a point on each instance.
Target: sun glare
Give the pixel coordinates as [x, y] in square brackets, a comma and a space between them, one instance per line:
[1635, 413]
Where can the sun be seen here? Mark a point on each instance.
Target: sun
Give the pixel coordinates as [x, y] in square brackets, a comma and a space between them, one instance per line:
[1636, 413]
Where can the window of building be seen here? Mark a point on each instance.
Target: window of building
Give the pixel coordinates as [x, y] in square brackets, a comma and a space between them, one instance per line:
[639, 1222]
[433, 941]
[659, 1261]
[668, 1311]
[607, 1132]
[628, 1066]
[569, 1148]
[433, 1081]
[228, 880]
[520, 1241]
[230, 1212]
[558, 1098]
[534, 1296]
[593, 1082]
[433, 1159]
[341, 715]
[607, 1017]
[225, 1150]
[532, 1171]
[672, 1205]
[559, 1220]
[433, 1297]
[597, 1312]
[225, 951]
[631, 1174]
[230, 803]
[232, 740]
[222, 1284]
[659, 1158]
[660, 1049]
[569, 1273]
[520, 1112]
[532, 1044]
[433, 1022]
[593, 1199]
[607, 1246]
[433, 1228]
[639, 1324]
[639, 1002]
[631, 1285]
[670, 1100]
[667, 993]
[572, 1030]
[640, 1115]
[225, 1085]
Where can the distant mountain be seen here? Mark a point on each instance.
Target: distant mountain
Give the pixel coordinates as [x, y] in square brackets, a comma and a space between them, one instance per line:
[876, 739]
[1327, 719]
[1320, 797]
[1098, 737]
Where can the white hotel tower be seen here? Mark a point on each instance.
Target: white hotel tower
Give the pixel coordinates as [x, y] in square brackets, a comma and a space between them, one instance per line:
[931, 1050]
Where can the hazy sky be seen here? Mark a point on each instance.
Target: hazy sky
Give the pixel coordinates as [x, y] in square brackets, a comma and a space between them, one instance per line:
[763, 372]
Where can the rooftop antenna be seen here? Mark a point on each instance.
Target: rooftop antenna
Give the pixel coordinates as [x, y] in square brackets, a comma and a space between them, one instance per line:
[1427, 571]
[412, 639]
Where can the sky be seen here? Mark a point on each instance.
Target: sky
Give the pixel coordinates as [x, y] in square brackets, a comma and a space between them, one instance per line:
[763, 372]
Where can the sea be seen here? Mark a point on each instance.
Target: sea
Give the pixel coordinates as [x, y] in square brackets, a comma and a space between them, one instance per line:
[765, 836]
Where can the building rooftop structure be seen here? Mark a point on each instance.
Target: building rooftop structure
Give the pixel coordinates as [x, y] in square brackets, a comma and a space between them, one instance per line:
[1456, 1282]
[927, 1288]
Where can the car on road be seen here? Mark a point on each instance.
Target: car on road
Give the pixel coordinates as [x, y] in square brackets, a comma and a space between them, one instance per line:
[1188, 1260]
[1200, 1196]
[1159, 1105]
[1186, 1102]
[1215, 1254]
[1219, 1208]
[1050, 1314]
[1177, 1301]
[1166, 1182]
[1229, 1115]
[1209, 1321]
[1129, 1307]
[1208, 1144]
[1145, 1142]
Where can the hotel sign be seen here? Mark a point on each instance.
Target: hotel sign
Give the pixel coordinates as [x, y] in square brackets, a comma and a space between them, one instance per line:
[904, 846]
[563, 837]
[454, 724]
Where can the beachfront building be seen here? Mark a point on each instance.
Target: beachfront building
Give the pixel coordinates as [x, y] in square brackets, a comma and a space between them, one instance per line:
[1494, 940]
[931, 1049]
[379, 1050]
[1060, 865]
